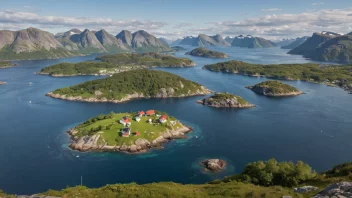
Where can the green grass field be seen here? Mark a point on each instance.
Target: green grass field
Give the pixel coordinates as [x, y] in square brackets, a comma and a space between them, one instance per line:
[110, 128]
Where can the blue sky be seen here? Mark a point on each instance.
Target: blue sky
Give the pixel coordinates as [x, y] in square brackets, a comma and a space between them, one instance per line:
[273, 19]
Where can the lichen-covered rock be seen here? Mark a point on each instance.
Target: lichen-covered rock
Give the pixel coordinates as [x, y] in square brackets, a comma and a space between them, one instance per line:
[214, 165]
[338, 190]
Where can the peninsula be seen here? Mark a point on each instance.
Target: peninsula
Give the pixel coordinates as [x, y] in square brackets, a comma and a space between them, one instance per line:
[147, 59]
[274, 88]
[125, 86]
[225, 100]
[204, 52]
[117, 63]
[331, 75]
[6, 64]
[127, 132]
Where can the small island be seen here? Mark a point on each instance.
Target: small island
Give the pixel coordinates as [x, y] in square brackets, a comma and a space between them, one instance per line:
[2, 83]
[213, 165]
[204, 52]
[135, 132]
[178, 48]
[331, 75]
[125, 86]
[116, 63]
[275, 88]
[6, 64]
[225, 100]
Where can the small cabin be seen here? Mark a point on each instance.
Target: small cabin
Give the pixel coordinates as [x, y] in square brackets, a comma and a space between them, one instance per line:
[126, 132]
[141, 113]
[150, 112]
[163, 118]
[125, 120]
[136, 133]
[137, 118]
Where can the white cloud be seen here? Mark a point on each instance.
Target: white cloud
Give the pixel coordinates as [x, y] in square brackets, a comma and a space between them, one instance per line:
[271, 9]
[290, 25]
[182, 25]
[32, 19]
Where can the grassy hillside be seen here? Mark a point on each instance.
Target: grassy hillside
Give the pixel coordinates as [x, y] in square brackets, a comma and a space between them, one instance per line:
[84, 68]
[6, 54]
[147, 59]
[337, 75]
[260, 179]
[109, 127]
[149, 83]
[336, 49]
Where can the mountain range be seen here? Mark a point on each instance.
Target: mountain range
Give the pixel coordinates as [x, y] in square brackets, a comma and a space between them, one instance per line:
[32, 43]
[295, 42]
[326, 46]
[203, 40]
[251, 42]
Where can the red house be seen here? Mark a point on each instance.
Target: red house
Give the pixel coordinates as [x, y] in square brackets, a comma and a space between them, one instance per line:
[141, 113]
[163, 118]
[150, 112]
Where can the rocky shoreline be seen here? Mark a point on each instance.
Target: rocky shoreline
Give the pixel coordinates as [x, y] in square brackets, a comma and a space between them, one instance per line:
[225, 100]
[91, 143]
[163, 94]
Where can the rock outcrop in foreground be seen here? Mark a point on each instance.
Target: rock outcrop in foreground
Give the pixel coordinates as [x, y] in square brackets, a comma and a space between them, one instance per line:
[225, 100]
[275, 88]
[338, 190]
[214, 165]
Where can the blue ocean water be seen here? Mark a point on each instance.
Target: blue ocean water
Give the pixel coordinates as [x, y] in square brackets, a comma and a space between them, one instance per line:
[34, 157]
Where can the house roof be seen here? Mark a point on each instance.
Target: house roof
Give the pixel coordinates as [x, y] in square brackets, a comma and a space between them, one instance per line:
[126, 130]
[150, 112]
[141, 113]
[126, 119]
[163, 117]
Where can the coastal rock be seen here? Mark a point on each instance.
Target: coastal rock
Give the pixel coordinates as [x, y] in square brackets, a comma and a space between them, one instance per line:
[305, 189]
[214, 165]
[225, 100]
[143, 143]
[133, 148]
[338, 190]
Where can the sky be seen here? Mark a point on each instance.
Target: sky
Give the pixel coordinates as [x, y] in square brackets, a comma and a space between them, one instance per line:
[271, 19]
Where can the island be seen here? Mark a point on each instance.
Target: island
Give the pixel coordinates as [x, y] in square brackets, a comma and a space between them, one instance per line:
[135, 132]
[6, 64]
[2, 83]
[204, 52]
[275, 88]
[151, 59]
[332, 75]
[178, 48]
[112, 64]
[225, 100]
[125, 86]
[213, 165]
